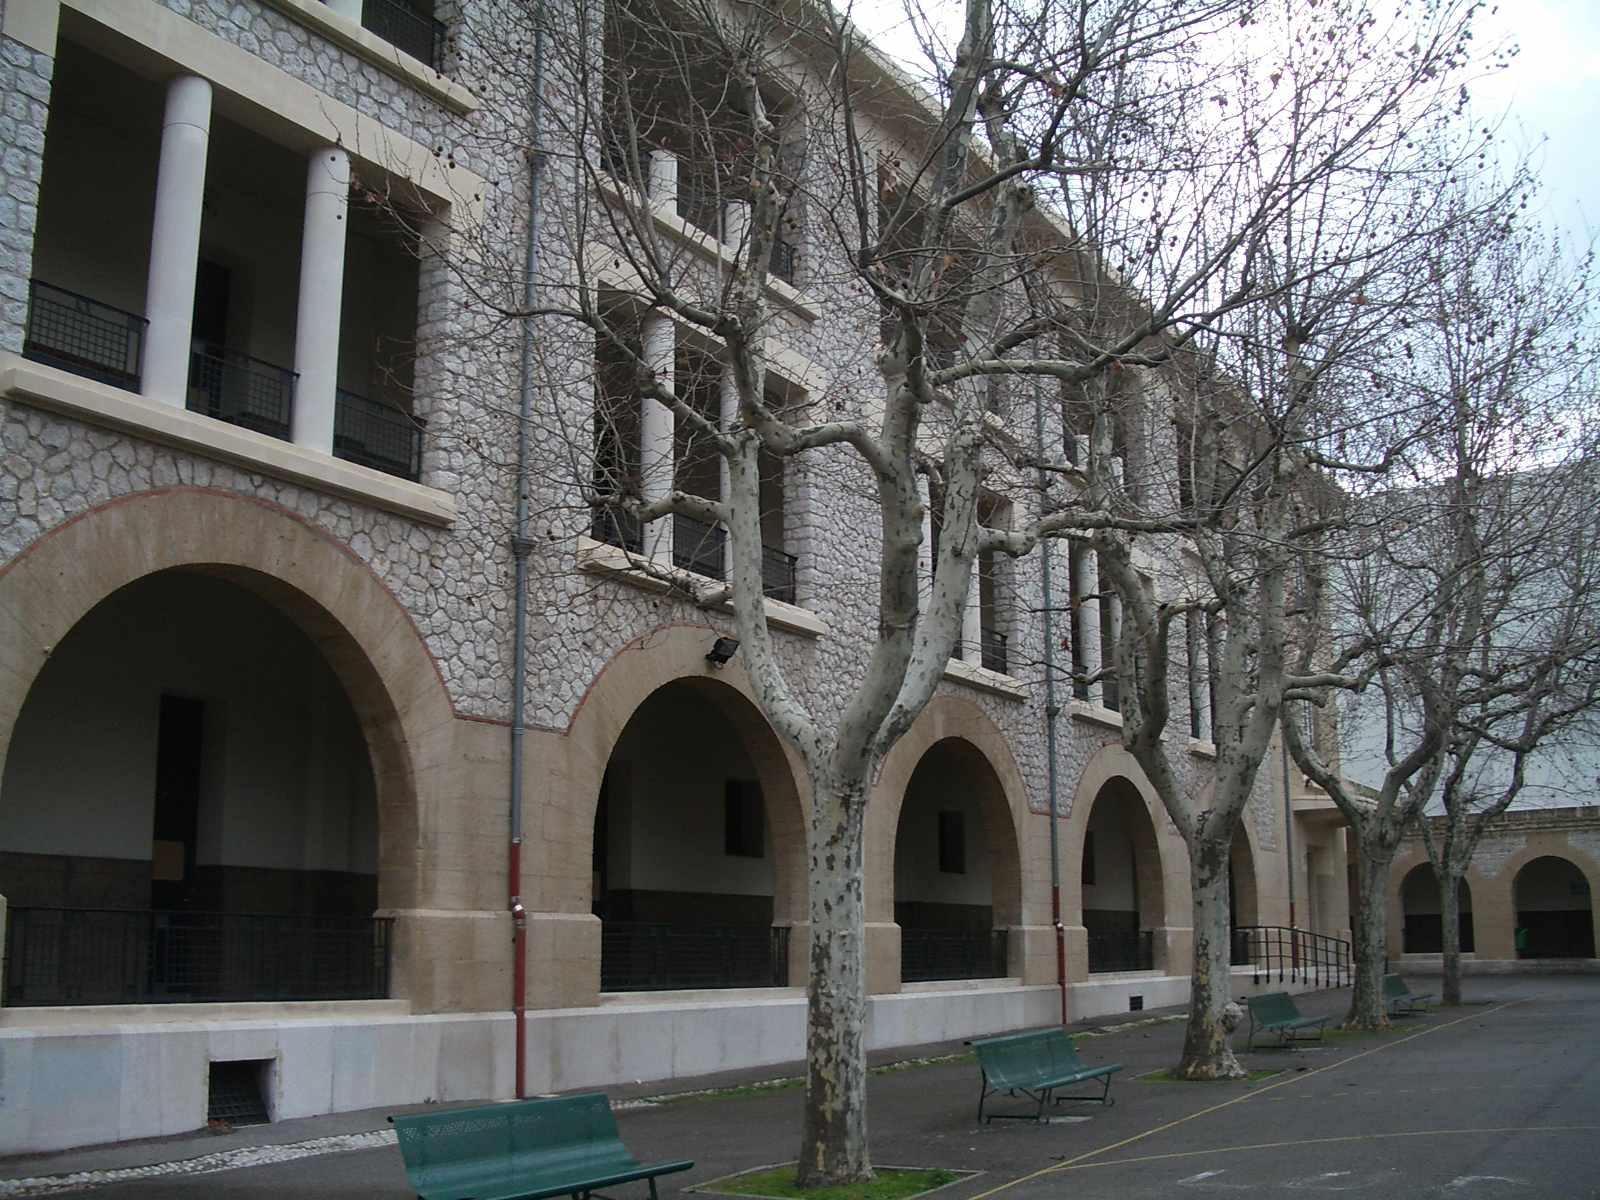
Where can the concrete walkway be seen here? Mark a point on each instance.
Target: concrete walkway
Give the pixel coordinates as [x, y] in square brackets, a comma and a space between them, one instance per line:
[1498, 1098]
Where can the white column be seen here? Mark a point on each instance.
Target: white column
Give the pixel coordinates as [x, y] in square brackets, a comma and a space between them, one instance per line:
[664, 182]
[972, 621]
[1086, 576]
[316, 334]
[175, 240]
[925, 550]
[735, 224]
[727, 418]
[656, 451]
[1199, 676]
[349, 9]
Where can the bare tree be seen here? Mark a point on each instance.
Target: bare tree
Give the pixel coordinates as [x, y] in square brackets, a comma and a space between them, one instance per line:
[1062, 207]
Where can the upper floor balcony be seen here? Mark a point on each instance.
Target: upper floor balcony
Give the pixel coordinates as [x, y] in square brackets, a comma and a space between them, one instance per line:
[408, 25]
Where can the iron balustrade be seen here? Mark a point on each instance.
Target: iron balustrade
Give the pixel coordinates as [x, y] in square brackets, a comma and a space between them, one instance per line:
[648, 956]
[620, 529]
[79, 334]
[784, 257]
[992, 650]
[65, 956]
[698, 547]
[778, 574]
[930, 954]
[241, 390]
[377, 435]
[1295, 954]
[403, 27]
[1122, 950]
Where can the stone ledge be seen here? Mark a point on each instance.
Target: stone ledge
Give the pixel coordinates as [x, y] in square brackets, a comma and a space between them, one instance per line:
[373, 49]
[100, 404]
[1201, 748]
[1095, 714]
[959, 671]
[601, 558]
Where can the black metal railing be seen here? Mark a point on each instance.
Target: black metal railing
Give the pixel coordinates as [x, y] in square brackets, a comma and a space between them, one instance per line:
[697, 546]
[405, 28]
[79, 334]
[1122, 950]
[241, 390]
[992, 650]
[1239, 947]
[377, 435]
[784, 257]
[778, 573]
[1281, 952]
[620, 529]
[57, 956]
[930, 954]
[639, 956]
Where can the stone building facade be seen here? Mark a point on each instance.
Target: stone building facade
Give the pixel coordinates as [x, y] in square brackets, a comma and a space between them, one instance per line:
[256, 517]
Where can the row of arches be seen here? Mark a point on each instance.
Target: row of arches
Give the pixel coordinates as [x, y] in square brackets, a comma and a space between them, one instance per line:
[1548, 901]
[271, 738]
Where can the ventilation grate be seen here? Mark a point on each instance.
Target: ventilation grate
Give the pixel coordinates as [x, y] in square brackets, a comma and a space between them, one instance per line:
[1135, 1003]
[236, 1093]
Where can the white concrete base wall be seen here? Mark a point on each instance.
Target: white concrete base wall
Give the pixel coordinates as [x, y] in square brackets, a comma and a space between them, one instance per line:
[1433, 964]
[77, 1084]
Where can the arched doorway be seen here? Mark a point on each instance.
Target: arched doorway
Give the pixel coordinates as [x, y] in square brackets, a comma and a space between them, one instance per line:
[957, 887]
[1555, 914]
[191, 811]
[1121, 881]
[695, 833]
[1243, 907]
[1421, 928]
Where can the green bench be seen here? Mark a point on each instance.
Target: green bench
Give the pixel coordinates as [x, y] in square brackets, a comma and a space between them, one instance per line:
[521, 1151]
[1275, 1012]
[1034, 1064]
[1397, 996]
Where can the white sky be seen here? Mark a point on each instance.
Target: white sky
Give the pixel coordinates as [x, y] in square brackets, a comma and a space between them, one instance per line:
[1548, 97]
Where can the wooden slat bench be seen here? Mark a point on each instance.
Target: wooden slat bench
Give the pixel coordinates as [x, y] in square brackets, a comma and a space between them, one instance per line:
[521, 1150]
[1275, 1012]
[1034, 1064]
[1396, 994]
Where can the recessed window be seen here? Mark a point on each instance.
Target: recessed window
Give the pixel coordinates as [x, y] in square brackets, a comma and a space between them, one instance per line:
[952, 843]
[744, 831]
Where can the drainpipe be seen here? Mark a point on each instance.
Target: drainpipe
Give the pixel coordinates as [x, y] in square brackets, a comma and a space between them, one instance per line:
[1288, 840]
[521, 545]
[1052, 711]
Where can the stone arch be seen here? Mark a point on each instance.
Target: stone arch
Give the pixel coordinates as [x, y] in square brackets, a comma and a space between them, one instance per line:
[366, 636]
[1418, 903]
[1005, 804]
[556, 875]
[1244, 879]
[1581, 942]
[1108, 764]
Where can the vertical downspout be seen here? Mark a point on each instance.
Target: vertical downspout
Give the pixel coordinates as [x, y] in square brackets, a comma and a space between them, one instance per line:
[521, 544]
[1052, 711]
[1288, 843]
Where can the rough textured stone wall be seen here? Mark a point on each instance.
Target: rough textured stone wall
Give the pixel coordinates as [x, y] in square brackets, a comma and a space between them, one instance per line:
[25, 85]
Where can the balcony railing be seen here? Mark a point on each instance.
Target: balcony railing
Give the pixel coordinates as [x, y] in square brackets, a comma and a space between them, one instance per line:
[1297, 954]
[992, 650]
[58, 956]
[778, 574]
[784, 257]
[619, 529]
[697, 546]
[81, 335]
[241, 390]
[1122, 950]
[636, 956]
[377, 435]
[929, 954]
[403, 27]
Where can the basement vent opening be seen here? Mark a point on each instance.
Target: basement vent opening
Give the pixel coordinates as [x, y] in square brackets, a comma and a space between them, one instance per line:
[1135, 1003]
[237, 1093]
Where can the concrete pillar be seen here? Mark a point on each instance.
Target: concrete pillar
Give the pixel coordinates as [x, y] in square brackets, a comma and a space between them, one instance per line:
[316, 334]
[663, 183]
[175, 240]
[735, 224]
[656, 451]
[972, 621]
[1086, 574]
[727, 418]
[925, 550]
[349, 9]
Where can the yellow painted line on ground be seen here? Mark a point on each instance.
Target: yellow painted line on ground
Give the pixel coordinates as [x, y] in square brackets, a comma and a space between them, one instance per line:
[1078, 1165]
[1250, 1095]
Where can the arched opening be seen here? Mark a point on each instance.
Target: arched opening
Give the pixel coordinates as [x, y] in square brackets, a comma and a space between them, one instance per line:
[1121, 881]
[191, 809]
[1421, 928]
[956, 875]
[695, 831]
[1555, 914]
[1243, 910]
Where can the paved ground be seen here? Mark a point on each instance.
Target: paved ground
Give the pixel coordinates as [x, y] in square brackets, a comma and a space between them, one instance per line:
[1497, 1099]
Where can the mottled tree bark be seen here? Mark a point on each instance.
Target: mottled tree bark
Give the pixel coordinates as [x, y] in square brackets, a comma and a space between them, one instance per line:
[1206, 1053]
[1367, 1007]
[1450, 931]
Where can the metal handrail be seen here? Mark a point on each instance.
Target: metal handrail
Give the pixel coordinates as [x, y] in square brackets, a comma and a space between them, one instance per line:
[234, 387]
[992, 650]
[779, 574]
[698, 547]
[67, 956]
[80, 334]
[377, 435]
[1294, 954]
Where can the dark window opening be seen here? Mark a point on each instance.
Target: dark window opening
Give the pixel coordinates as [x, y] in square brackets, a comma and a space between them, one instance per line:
[744, 820]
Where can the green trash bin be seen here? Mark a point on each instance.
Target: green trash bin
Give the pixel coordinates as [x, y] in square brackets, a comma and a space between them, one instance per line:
[1521, 937]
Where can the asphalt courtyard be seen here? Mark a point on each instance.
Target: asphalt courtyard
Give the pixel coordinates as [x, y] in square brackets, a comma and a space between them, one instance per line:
[1499, 1098]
